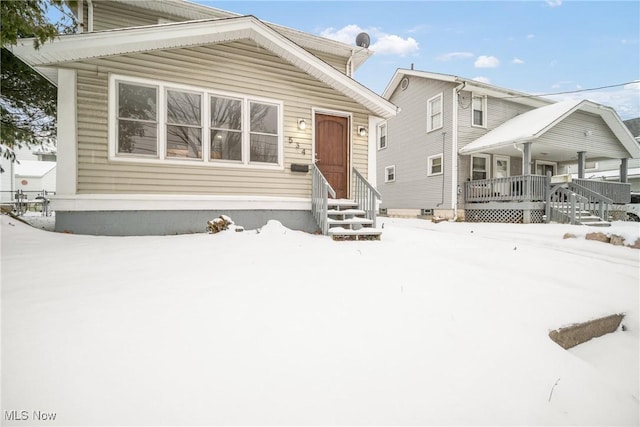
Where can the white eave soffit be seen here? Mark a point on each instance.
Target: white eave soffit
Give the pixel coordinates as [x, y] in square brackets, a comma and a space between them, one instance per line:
[193, 33]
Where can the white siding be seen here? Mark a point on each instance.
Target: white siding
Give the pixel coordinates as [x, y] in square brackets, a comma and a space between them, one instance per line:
[240, 67]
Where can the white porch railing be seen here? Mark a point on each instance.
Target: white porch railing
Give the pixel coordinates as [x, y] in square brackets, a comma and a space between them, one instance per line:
[513, 188]
[618, 192]
[365, 195]
[321, 190]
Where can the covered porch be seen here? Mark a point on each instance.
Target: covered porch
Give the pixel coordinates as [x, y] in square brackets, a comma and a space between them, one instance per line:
[542, 143]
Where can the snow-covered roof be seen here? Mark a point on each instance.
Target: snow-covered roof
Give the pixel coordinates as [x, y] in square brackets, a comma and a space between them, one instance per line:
[529, 126]
[614, 173]
[79, 47]
[33, 168]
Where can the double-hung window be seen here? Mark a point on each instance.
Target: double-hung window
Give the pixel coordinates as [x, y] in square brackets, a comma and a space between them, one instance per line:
[390, 173]
[434, 165]
[184, 124]
[137, 120]
[382, 136]
[152, 121]
[226, 128]
[479, 111]
[263, 133]
[434, 113]
[480, 167]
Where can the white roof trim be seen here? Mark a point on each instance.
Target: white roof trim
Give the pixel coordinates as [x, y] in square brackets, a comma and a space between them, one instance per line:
[78, 47]
[469, 85]
[533, 124]
[192, 11]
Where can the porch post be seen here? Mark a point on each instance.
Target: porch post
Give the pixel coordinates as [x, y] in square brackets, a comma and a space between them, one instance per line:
[526, 159]
[581, 163]
[624, 170]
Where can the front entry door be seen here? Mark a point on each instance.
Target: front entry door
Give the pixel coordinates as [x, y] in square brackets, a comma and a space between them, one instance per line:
[332, 151]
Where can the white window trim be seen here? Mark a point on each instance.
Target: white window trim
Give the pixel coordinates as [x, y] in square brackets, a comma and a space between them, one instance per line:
[429, 112]
[545, 162]
[484, 111]
[378, 130]
[430, 165]
[161, 112]
[386, 173]
[487, 157]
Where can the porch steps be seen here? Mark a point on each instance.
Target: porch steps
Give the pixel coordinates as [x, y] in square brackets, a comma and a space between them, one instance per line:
[348, 222]
[587, 218]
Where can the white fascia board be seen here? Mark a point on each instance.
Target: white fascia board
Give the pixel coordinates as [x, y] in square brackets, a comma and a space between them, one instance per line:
[194, 33]
[470, 85]
[172, 202]
[193, 11]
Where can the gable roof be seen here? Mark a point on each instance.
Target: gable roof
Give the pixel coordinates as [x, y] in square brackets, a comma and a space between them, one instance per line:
[78, 47]
[533, 124]
[192, 11]
[466, 84]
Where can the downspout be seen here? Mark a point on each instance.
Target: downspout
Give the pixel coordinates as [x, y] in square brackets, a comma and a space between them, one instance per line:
[454, 151]
[81, 15]
[349, 70]
[90, 17]
[444, 134]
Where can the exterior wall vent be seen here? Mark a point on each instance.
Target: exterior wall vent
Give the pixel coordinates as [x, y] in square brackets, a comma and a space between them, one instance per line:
[426, 211]
[404, 83]
[383, 211]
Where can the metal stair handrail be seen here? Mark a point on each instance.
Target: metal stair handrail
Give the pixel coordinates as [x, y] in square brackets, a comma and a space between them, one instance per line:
[320, 191]
[365, 195]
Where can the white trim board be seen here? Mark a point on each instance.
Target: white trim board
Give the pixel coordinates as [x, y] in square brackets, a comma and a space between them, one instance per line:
[159, 202]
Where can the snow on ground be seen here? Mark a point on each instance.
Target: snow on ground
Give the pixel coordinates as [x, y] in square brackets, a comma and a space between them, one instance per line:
[436, 324]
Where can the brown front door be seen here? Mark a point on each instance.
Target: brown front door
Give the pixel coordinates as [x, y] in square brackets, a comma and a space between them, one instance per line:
[332, 151]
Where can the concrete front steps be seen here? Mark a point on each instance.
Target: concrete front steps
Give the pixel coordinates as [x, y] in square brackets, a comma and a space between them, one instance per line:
[348, 222]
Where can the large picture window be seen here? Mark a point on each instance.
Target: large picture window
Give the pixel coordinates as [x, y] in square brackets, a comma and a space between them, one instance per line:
[153, 121]
[137, 117]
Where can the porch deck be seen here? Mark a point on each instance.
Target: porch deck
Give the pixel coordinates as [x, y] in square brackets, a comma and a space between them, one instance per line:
[534, 188]
[524, 198]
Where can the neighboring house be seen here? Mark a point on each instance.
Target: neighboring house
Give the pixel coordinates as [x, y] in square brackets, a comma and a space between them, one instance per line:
[609, 170]
[468, 150]
[7, 180]
[171, 114]
[33, 176]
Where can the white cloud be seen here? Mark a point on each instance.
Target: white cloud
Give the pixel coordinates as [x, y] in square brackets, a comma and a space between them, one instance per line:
[554, 3]
[625, 100]
[482, 79]
[418, 29]
[454, 55]
[530, 36]
[517, 61]
[384, 44]
[486, 62]
[389, 44]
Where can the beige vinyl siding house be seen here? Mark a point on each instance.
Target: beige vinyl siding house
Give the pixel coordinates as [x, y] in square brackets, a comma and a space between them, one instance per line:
[165, 126]
[498, 146]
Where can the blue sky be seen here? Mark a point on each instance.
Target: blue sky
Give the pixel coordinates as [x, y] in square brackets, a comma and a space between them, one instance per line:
[538, 47]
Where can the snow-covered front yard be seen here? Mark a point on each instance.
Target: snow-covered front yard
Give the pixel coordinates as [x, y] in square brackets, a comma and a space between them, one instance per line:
[436, 324]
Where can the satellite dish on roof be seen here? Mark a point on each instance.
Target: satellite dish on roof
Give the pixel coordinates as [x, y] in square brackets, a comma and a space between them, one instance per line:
[363, 40]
